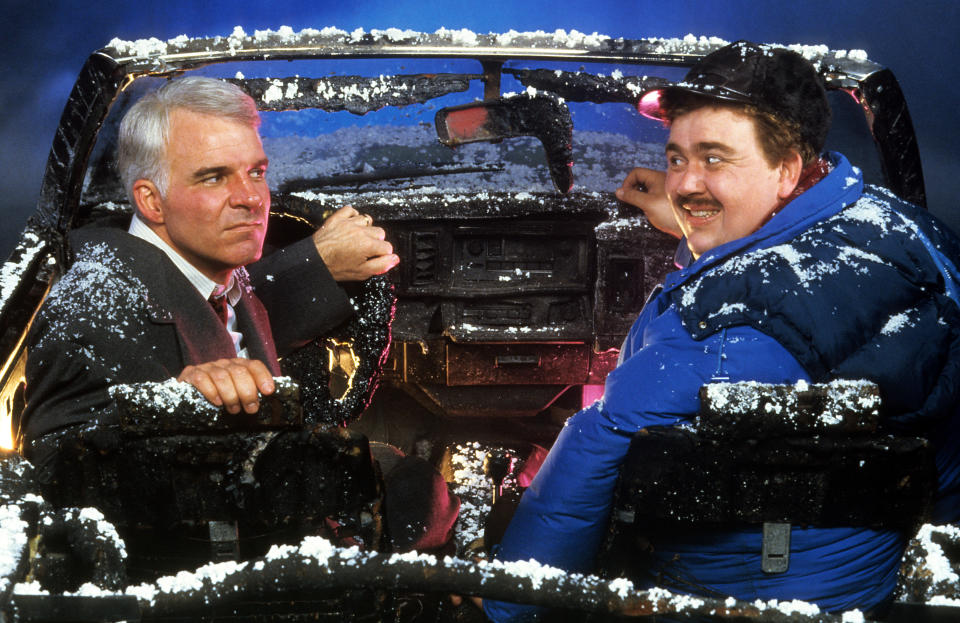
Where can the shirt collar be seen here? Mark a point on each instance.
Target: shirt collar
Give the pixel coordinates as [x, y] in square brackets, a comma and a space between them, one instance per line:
[204, 285]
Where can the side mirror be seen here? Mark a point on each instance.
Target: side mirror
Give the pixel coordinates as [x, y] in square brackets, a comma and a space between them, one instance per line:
[543, 116]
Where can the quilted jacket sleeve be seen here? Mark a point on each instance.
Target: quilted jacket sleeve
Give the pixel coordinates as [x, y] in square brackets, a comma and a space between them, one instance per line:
[562, 517]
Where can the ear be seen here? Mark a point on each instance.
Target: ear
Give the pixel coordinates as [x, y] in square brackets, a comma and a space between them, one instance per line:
[790, 169]
[149, 202]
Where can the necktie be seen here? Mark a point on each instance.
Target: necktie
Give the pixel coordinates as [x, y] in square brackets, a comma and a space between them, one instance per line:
[219, 304]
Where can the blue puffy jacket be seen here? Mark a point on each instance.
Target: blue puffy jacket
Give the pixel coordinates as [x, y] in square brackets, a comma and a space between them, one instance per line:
[838, 284]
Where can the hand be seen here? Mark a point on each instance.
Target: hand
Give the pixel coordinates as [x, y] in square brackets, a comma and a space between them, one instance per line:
[644, 188]
[231, 383]
[352, 248]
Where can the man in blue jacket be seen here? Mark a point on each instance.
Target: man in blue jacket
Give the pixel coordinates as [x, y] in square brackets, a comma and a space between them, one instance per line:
[796, 273]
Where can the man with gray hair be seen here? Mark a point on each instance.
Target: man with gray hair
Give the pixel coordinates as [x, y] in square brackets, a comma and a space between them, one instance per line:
[170, 297]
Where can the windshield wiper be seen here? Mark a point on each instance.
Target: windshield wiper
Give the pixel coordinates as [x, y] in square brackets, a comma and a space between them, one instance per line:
[387, 173]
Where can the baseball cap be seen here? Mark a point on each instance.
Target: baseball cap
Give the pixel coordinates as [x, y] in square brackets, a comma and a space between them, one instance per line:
[775, 80]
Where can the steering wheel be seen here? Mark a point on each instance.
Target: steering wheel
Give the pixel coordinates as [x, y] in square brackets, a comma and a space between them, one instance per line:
[338, 374]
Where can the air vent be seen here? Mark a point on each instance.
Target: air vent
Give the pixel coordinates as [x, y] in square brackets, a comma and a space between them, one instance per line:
[498, 314]
[426, 257]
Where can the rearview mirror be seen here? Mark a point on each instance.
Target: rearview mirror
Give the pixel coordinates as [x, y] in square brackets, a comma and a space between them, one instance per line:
[544, 117]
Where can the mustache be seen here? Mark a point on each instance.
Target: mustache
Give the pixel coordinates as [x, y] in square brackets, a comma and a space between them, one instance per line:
[698, 202]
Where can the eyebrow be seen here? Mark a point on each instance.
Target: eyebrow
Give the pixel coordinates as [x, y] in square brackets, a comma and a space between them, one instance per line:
[702, 147]
[207, 171]
[223, 170]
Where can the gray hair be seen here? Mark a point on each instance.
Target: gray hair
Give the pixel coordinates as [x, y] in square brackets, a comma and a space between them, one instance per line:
[145, 129]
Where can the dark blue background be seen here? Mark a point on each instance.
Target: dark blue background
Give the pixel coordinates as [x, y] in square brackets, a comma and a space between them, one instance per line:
[46, 42]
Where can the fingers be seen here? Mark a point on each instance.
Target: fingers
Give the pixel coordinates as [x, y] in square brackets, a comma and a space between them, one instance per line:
[632, 196]
[641, 186]
[352, 248]
[645, 189]
[348, 214]
[374, 245]
[343, 214]
[379, 265]
[374, 256]
[234, 384]
[376, 233]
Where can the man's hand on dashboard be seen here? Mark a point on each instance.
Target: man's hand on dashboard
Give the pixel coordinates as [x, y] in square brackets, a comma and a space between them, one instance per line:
[644, 188]
[234, 384]
[352, 248]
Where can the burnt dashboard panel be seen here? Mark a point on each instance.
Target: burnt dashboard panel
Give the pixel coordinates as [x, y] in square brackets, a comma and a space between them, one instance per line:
[518, 304]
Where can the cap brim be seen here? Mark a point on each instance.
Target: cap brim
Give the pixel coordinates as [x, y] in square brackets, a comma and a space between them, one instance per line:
[649, 103]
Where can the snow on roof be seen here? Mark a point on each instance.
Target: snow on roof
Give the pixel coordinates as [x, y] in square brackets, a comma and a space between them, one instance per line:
[142, 48]
[463, 37]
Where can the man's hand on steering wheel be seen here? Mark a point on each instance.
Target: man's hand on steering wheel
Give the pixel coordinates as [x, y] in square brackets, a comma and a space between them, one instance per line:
[352, 248]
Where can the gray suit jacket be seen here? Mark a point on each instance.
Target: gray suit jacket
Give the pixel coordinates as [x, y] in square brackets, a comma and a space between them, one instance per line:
[124, 313]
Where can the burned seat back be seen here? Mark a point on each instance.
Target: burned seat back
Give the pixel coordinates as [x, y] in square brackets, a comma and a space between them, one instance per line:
[774, 455]
[185, 482]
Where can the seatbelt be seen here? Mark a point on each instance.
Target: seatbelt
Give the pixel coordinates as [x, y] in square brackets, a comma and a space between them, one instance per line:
[775, 551]
[951, 276]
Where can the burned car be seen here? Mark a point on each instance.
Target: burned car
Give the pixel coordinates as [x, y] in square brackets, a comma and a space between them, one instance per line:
[490, 160]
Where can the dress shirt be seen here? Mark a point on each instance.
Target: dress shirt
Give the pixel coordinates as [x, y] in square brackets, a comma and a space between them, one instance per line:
[205, 286]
